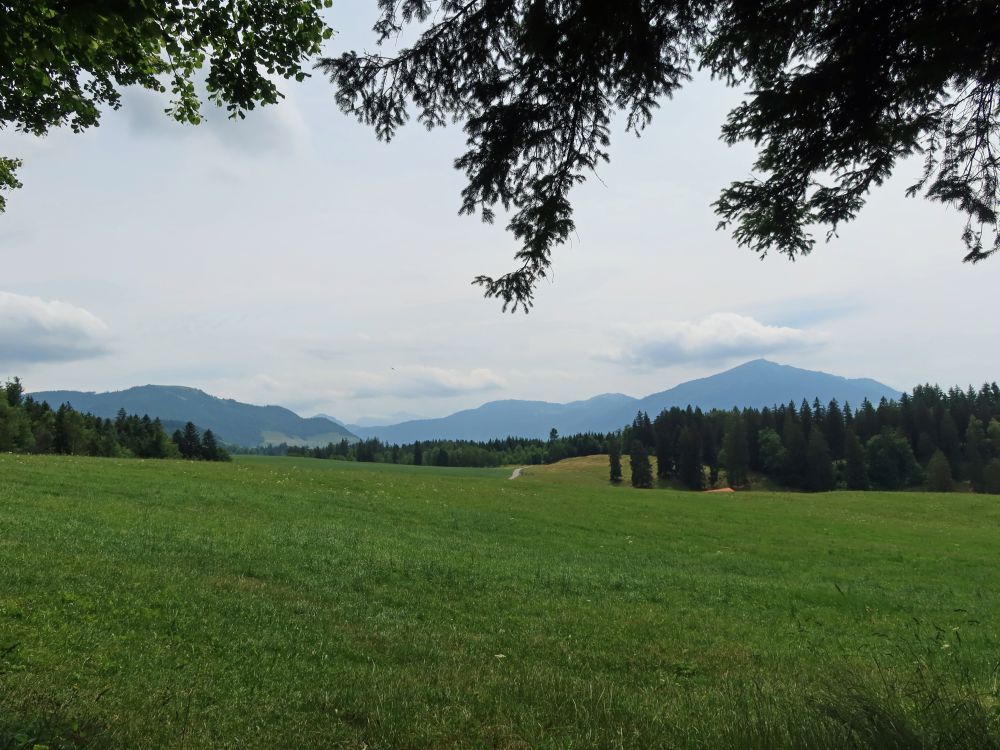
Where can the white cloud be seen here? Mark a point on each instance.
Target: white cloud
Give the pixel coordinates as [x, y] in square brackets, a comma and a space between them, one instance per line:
[37, 330]
[715, 338]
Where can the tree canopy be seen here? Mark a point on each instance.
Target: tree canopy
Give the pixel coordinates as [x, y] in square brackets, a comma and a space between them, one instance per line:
[62, 61]
[839, 92]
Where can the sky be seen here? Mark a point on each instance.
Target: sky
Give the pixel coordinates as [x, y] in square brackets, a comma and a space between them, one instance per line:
[293, 259]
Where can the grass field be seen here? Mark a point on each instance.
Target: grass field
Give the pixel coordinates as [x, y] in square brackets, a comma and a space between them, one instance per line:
[303, 603]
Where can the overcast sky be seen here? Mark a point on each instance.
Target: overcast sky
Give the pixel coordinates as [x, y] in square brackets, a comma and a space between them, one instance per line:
[293, 259]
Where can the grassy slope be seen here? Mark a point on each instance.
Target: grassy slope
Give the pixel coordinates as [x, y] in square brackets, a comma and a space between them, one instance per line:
[315, 603]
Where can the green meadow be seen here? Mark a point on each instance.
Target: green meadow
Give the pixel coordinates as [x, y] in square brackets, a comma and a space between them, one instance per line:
[302, 603]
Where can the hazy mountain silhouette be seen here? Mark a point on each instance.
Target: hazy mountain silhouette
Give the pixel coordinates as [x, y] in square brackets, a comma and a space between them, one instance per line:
[231, 421]
[758, 383]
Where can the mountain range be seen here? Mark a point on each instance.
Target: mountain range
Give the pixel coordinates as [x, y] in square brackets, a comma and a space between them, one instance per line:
[757, 384]
[233, 422]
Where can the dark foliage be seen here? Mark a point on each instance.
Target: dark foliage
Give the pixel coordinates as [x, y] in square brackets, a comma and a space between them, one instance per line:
[642, 472]
[839, 91]
[29, 426]
[939, 473]
[615, 460]
[501, 452]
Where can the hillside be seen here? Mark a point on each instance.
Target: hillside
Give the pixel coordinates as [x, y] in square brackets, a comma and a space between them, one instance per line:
[754, 384]
[234, 422]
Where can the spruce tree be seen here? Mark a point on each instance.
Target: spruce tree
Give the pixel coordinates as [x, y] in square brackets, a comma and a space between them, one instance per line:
[664, 433]
[642, 472]
[737, 451]
[615, 458]
[796, 455]
[834, 429]
[855, 470]
[819, 465]
[689, 466]
[210, 448]
[975, 453]
[949, 442]
[418, 454]
[190, 443]
[939, 473]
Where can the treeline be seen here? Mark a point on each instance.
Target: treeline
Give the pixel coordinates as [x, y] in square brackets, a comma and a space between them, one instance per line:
[197, 446]
[929, 437]
[468, 453]
[29, 426]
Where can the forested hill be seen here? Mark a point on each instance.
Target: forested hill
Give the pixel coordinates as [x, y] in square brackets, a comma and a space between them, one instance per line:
[754, 384]
[761, 383]
[233, 422]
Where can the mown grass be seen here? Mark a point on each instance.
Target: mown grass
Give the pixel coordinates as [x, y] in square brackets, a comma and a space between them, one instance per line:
[304, 603]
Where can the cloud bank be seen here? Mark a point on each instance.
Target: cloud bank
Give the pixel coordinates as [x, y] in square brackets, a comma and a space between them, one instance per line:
[716, 338]
[36, 330]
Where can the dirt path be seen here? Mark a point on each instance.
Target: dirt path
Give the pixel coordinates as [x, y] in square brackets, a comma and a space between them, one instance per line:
[517, 473]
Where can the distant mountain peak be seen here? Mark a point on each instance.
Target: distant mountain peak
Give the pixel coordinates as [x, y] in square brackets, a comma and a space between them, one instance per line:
[758, 382]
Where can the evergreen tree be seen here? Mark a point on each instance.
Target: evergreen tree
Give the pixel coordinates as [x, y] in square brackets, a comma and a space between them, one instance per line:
[663, 430]
[805, 419]
[642, 430]
[68, 437]
[975, 453]
[6, 434]
[833, 428]
[689, 466]
[615, 458]
[210, 448]
[993, 433]
[190, 442]
[418, 454]
[991, 477]
[939, 473]
[13, 391]
[737, 451]
[642, 472]
[949, 442]
[819, 465]
[796, 455]
[855, 466]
